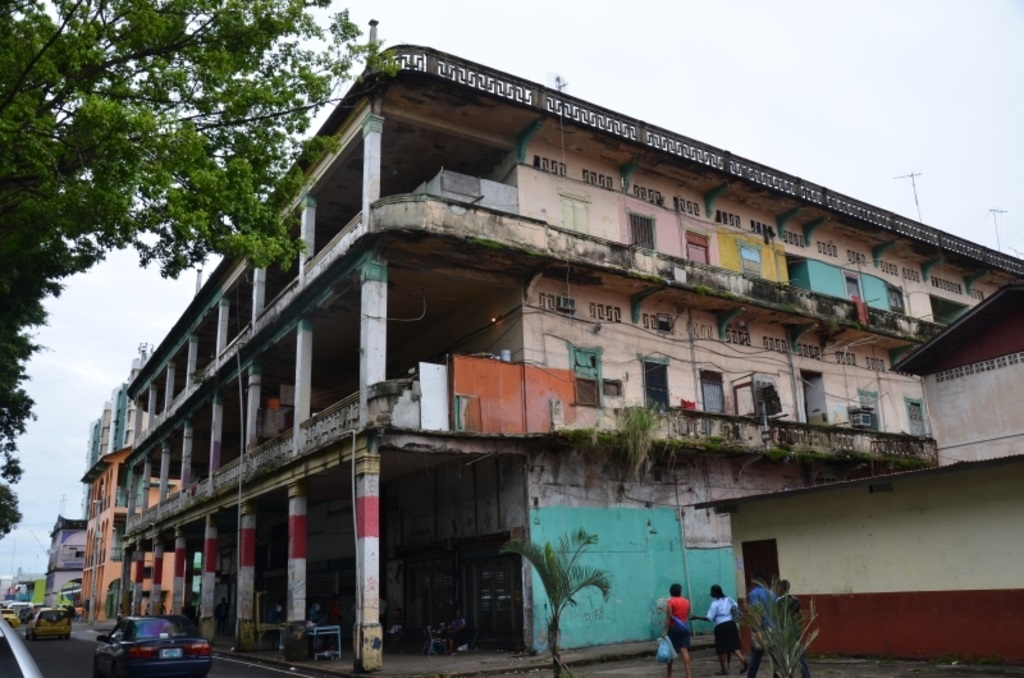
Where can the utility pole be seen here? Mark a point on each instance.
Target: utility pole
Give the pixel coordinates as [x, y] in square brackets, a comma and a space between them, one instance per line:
[995, 213]
[913, 184]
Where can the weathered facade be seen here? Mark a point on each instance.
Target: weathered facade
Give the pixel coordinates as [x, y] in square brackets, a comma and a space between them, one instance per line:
[500, 282]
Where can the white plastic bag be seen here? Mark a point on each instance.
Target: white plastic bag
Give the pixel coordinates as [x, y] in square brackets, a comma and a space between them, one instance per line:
[666, 652]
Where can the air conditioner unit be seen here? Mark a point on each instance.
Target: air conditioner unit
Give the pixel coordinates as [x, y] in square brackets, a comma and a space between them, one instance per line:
[566, 304]
[861, 419]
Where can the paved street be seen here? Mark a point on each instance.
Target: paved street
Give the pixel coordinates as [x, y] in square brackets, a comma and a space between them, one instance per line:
[73, 659]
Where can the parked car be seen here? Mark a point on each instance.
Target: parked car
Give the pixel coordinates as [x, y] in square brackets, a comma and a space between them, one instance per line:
[15, 659]
[163, 645]
[11, 617]
[49, 622]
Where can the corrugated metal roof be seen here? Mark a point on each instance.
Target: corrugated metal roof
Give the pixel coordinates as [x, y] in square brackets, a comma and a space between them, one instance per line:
[959, 467]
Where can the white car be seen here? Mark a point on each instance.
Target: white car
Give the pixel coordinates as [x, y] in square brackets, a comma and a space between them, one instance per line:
[14, 657]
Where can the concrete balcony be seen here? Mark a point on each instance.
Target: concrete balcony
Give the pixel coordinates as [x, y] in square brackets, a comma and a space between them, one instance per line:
[797, 441]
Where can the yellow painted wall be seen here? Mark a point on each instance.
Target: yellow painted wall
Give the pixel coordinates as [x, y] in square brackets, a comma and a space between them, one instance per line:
[773, 256]
[946, 532]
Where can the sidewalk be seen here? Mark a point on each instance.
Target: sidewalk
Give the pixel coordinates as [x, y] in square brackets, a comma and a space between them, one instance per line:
[408, 660]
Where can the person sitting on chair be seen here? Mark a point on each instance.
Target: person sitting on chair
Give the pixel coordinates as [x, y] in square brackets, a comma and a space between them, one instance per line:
[457, 634]
[397, 625]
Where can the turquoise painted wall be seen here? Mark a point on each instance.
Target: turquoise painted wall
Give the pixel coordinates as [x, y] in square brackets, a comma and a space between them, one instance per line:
[642, 549]
[876, 292]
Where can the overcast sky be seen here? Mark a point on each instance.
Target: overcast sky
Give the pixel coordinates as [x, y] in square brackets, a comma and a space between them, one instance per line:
[846, 94]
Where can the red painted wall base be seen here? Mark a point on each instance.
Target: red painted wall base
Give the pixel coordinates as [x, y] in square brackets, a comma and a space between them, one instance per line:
[970, 625]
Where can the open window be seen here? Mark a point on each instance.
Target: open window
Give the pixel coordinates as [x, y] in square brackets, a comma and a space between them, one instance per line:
[655, 383]
[586, 367]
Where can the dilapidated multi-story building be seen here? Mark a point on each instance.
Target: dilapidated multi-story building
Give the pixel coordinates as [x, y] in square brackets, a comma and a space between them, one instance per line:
[518, 314]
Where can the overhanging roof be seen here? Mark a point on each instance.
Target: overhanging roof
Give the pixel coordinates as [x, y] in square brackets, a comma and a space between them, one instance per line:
[1006, 300]
[728, 505]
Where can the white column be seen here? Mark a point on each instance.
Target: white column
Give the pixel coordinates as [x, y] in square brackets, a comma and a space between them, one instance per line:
[303, 379]
[147, 475]
[216, 433]
[132, 488]
[373, 126]
[169, 386]
[259, 292]
[152, 402]
[165, 471]
[186, 456]
[308, 234]
[223, 316]
[252, 409]
[373, 330]
[193, 360]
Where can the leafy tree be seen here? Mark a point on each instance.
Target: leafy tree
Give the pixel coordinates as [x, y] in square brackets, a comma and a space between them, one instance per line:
[170, 126]
[782, 629]
[563, 577]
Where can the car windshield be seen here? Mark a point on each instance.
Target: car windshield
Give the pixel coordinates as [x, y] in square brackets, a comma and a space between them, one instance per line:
[174, 627]
[52, 615]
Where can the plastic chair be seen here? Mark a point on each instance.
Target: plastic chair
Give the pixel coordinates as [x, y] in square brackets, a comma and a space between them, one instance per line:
[432, 645]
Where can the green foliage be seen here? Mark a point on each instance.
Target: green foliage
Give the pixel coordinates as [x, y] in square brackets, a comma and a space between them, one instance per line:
[169, 126]
[636, 433]
[9, 513]
[563, 577]
[784, 635]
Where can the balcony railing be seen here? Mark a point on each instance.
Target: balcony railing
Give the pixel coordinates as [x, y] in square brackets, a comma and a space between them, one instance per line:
[718, 432]
[325, 428]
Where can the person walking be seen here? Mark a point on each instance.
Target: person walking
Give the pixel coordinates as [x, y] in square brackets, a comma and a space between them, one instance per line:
[759, 598]
[722, 614]
[791, 605]
[220, 614]
[677, 611]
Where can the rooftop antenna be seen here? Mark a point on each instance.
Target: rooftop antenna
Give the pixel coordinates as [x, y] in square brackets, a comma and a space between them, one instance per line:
[914, 186]
[995, 214]
[557, 81]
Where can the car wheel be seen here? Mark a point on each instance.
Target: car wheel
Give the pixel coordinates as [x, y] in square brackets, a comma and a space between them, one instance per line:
[96, 669]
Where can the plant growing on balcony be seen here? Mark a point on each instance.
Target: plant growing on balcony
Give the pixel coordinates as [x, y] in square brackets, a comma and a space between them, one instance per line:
[636, 433]
[563, 577]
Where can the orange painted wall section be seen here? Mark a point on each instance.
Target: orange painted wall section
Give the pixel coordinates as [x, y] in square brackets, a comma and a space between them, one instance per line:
[495, 392]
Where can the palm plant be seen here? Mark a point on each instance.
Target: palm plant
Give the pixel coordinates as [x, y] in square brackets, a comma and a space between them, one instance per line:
[563, 577]
[784, 632]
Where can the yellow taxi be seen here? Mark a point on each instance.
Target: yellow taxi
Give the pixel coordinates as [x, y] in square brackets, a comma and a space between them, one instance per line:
[11, 617]
[49, 622]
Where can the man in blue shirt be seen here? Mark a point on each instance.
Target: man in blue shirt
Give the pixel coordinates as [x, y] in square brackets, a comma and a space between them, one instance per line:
[758, 597]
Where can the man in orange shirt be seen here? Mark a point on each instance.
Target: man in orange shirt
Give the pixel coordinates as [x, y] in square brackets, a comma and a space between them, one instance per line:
[676, 614]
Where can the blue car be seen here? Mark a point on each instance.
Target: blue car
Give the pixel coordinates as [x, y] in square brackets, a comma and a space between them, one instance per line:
[152, 647]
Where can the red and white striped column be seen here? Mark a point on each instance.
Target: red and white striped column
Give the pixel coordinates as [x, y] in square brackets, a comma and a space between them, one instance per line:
[296, 551]
[139, 560]
[207, 623]
[178, 591]
[368, 655]
[246, 633]
[295, 647]
[156, 590]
